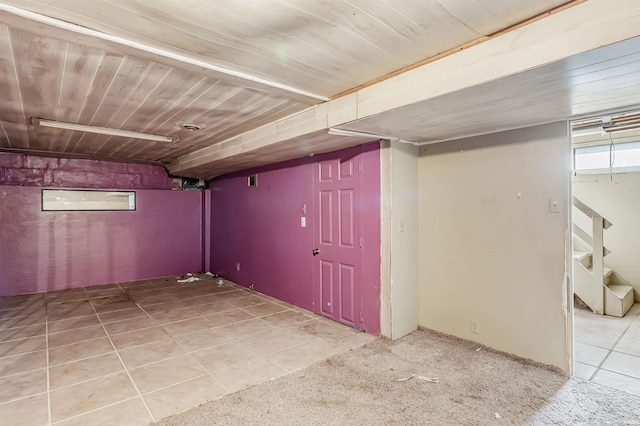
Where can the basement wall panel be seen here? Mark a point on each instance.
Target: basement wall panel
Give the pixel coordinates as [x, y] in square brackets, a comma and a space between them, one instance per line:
[54, 250]
[490, 250]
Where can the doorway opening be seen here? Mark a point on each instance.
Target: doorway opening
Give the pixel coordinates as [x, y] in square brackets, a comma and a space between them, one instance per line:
[606, 249]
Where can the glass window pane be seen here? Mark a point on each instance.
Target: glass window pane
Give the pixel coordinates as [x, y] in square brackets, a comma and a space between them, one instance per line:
[70, 200]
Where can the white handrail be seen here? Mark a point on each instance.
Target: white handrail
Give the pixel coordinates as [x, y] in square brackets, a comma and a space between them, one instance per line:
[584, 208]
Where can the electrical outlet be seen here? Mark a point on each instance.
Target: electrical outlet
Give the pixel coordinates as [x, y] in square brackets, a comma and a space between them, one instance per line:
[475, 326]
[238, 266]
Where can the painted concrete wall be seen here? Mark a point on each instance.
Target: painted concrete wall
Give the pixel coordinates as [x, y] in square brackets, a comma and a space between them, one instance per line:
[619, 201]
[400, 238]
[24, 170]
[257, 230]
[44, 251]
[490, 250]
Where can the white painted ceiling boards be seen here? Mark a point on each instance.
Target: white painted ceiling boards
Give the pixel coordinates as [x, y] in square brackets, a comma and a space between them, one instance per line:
[265, 79]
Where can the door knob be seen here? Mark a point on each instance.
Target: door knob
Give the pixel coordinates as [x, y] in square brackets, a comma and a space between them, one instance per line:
[315, 252]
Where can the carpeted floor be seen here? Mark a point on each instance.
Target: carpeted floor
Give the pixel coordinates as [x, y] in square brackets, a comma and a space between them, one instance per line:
[360, 387]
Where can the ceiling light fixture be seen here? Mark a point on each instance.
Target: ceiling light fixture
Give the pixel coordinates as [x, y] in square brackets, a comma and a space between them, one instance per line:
[101, 130]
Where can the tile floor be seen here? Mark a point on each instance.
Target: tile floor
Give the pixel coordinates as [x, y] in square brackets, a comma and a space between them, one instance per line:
[132, 353]
[607, 349]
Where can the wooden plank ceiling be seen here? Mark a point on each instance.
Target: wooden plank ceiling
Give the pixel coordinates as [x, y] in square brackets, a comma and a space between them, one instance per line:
[228, 66]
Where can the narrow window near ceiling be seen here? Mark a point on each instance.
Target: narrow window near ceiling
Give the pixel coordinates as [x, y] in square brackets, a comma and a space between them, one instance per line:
[81, 200]
[252, 180]
[620, 158]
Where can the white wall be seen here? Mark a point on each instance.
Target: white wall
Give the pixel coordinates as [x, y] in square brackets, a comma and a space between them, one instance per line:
[490, 250]
[400, 288]
[618, 199]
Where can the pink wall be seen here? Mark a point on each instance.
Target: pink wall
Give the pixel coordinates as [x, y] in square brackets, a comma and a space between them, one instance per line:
[259, 227]
[43, 251]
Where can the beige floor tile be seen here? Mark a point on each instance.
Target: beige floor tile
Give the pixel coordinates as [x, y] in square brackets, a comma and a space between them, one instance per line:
[629, 343]
[183, 396]
[203, 339]
[83, 370]
[617, 381]
[301, 356]
[138, 337]
[152, 352]
[264, 309]
[101, 287]
[22, 312]
[220, 319]
[114, 307]
[68, 310]
[17, 307]
[122, 315]
[31, 411]
[583, 371]
[110, 303]
[165, 373]
[623, 363]
[588, 354]
[73, 323]
[276, 340]
[244, 300]
[23, 385]
[248, 374]
[68, 337]
[216, 307]
[162, 316]
[88, 396]
[70, 295]
[326, 329]
[133, 324]
[21, 299]
[225, 355]
[22, 346]
[127, 413]
[105, 292]
[187, 326]
[233, 294]
[23, 363]
[79, 351]
[22, 321]
[22, 332]
[353, 340]
[244, 329]
[286, 318]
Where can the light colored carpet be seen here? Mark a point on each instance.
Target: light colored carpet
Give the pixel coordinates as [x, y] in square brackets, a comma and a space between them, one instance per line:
[475, 388]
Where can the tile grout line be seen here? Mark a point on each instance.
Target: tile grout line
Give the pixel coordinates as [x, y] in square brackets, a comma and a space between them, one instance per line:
[200, 364]
[135, 386]
[609, 350]
[75, 416]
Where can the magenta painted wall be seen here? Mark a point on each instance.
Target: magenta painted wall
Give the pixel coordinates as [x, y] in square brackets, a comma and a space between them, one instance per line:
[259, 228]
[44, 251]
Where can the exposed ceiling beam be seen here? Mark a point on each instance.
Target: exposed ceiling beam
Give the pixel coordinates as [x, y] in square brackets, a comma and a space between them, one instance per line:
[589, 26]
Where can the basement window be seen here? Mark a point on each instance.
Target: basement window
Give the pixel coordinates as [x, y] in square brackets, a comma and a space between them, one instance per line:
[82, 200]
[620, 158]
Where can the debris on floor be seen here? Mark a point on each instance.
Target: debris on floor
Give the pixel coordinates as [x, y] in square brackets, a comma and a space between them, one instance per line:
[207, 276]
[419, 377]
[498, 416]
[479, 349]
[190, 279]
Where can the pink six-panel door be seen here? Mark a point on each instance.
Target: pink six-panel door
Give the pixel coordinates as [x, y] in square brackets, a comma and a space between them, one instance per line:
[337, 238]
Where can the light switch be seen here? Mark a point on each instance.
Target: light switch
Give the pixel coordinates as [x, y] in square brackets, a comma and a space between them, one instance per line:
[554, 206]
[303, 222]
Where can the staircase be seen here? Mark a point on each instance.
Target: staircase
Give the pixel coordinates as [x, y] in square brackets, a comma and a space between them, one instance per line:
[590, 275]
